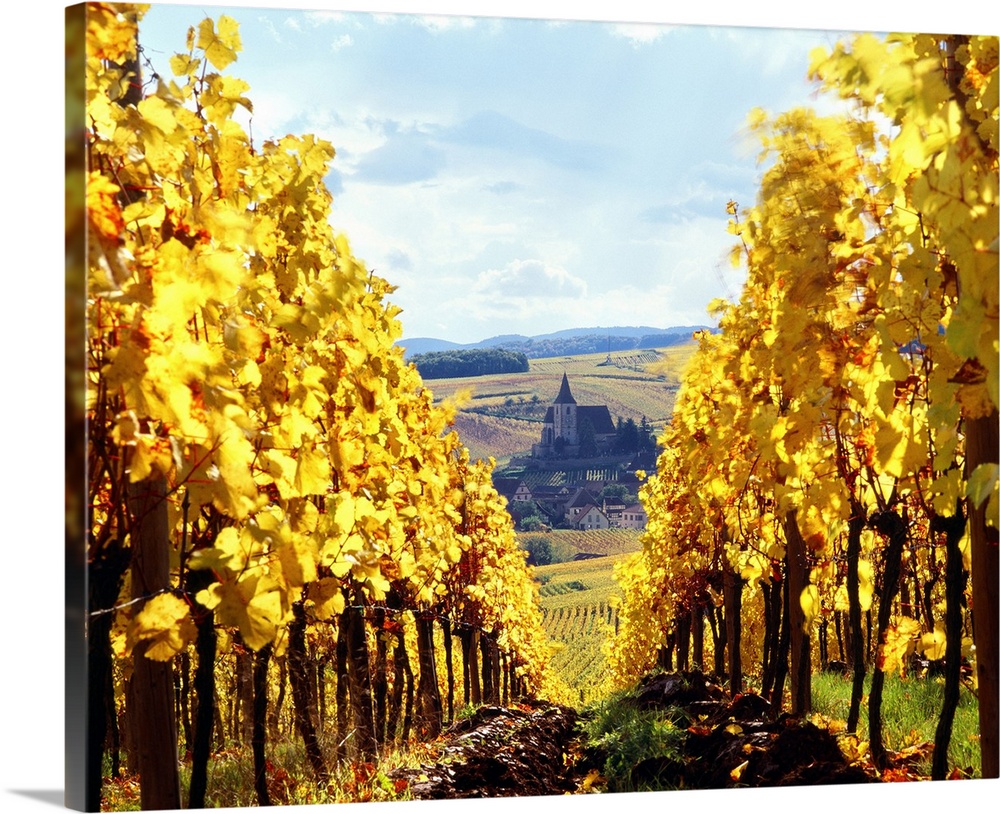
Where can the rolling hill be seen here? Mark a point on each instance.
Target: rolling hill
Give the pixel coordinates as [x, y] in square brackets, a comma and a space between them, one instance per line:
[501, 415]
[569, 341]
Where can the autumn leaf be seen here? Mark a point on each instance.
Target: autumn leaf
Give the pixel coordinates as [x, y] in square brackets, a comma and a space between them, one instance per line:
[165, 624]
[220, 45]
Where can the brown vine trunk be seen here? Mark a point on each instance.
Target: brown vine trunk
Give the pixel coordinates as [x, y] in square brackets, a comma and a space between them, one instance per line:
[486, 663]
[342, 693]
[954, 581]
[360, 682]
[104, 584]
[717, 622]
[697, 637]
[258, 739]
[204, 694]
[683, 641]
[274, 710]
[777, 697]
[244, 683]
[799, 643]
[428, 693]
[302, 701]
[473, 662]
[151, 698]
[380, 685]
[892, 525]
[854, 529]
[981, 440]
[403, 676]
[449, 667]
[732, 587]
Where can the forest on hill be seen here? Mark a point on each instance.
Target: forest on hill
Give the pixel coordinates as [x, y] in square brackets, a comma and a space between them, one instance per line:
[471, 362]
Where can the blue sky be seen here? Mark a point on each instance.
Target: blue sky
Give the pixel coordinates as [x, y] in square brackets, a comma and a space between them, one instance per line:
[522, 175]
[516, 175]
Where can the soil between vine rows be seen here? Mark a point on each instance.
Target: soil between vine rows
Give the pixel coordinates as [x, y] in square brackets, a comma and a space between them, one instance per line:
[540, 749]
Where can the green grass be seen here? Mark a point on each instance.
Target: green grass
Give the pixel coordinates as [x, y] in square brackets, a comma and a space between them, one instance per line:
[627, 736]
[910, 711]
[290, 778]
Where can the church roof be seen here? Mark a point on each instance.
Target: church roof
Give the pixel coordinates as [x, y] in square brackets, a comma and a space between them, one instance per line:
[599, 416]
[564, 397]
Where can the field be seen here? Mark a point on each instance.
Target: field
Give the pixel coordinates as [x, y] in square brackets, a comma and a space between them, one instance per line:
[577, 613]
[567, 543]
[503, 415]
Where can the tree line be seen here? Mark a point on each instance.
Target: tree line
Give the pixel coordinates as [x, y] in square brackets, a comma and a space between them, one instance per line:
[473, 362]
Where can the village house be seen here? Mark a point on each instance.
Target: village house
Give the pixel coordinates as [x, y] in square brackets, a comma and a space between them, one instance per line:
[633, 517]
[592, 518]
[514, 489]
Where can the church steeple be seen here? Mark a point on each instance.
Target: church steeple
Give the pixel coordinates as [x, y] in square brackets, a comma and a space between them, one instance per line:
[564, 397]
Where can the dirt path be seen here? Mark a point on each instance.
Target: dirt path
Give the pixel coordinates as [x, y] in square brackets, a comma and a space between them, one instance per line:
[501, 752]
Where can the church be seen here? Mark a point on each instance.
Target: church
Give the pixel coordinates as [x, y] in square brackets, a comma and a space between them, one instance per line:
[572, 431]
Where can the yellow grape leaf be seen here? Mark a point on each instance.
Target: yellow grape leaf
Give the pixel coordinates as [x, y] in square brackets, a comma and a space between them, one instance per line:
[866, 584]
[298, 557]
[343, 513]
[901, 444]
[900, 640]
[111, 35]
[253, 604]
[165, 623]
[102, 207]
[184, 65]
[328, 598]
[303, 516]
[932, 645]
[126, 428]
[982, 483]
[378, 585]
[946, 490]
[150, 453]
[220, 45]
[810, 602]
[593, 776]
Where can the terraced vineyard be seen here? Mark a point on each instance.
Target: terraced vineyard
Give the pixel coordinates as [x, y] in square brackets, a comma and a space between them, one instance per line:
[577, 613]
[566, 543]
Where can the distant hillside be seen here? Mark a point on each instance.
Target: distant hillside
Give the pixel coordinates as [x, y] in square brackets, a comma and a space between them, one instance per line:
[566, 342]
[504, 415]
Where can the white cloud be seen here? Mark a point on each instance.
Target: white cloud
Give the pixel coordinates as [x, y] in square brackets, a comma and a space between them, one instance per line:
[343, 41]
[529, 279]
[639, 34]
[441, 22]
[318, 18]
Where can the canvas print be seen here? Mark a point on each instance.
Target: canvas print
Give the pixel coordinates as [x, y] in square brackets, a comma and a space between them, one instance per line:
[465, 407]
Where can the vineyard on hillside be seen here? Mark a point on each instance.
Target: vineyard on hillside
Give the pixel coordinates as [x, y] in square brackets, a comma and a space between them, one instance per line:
[570, 542]
[499, 412]
[578, 614]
